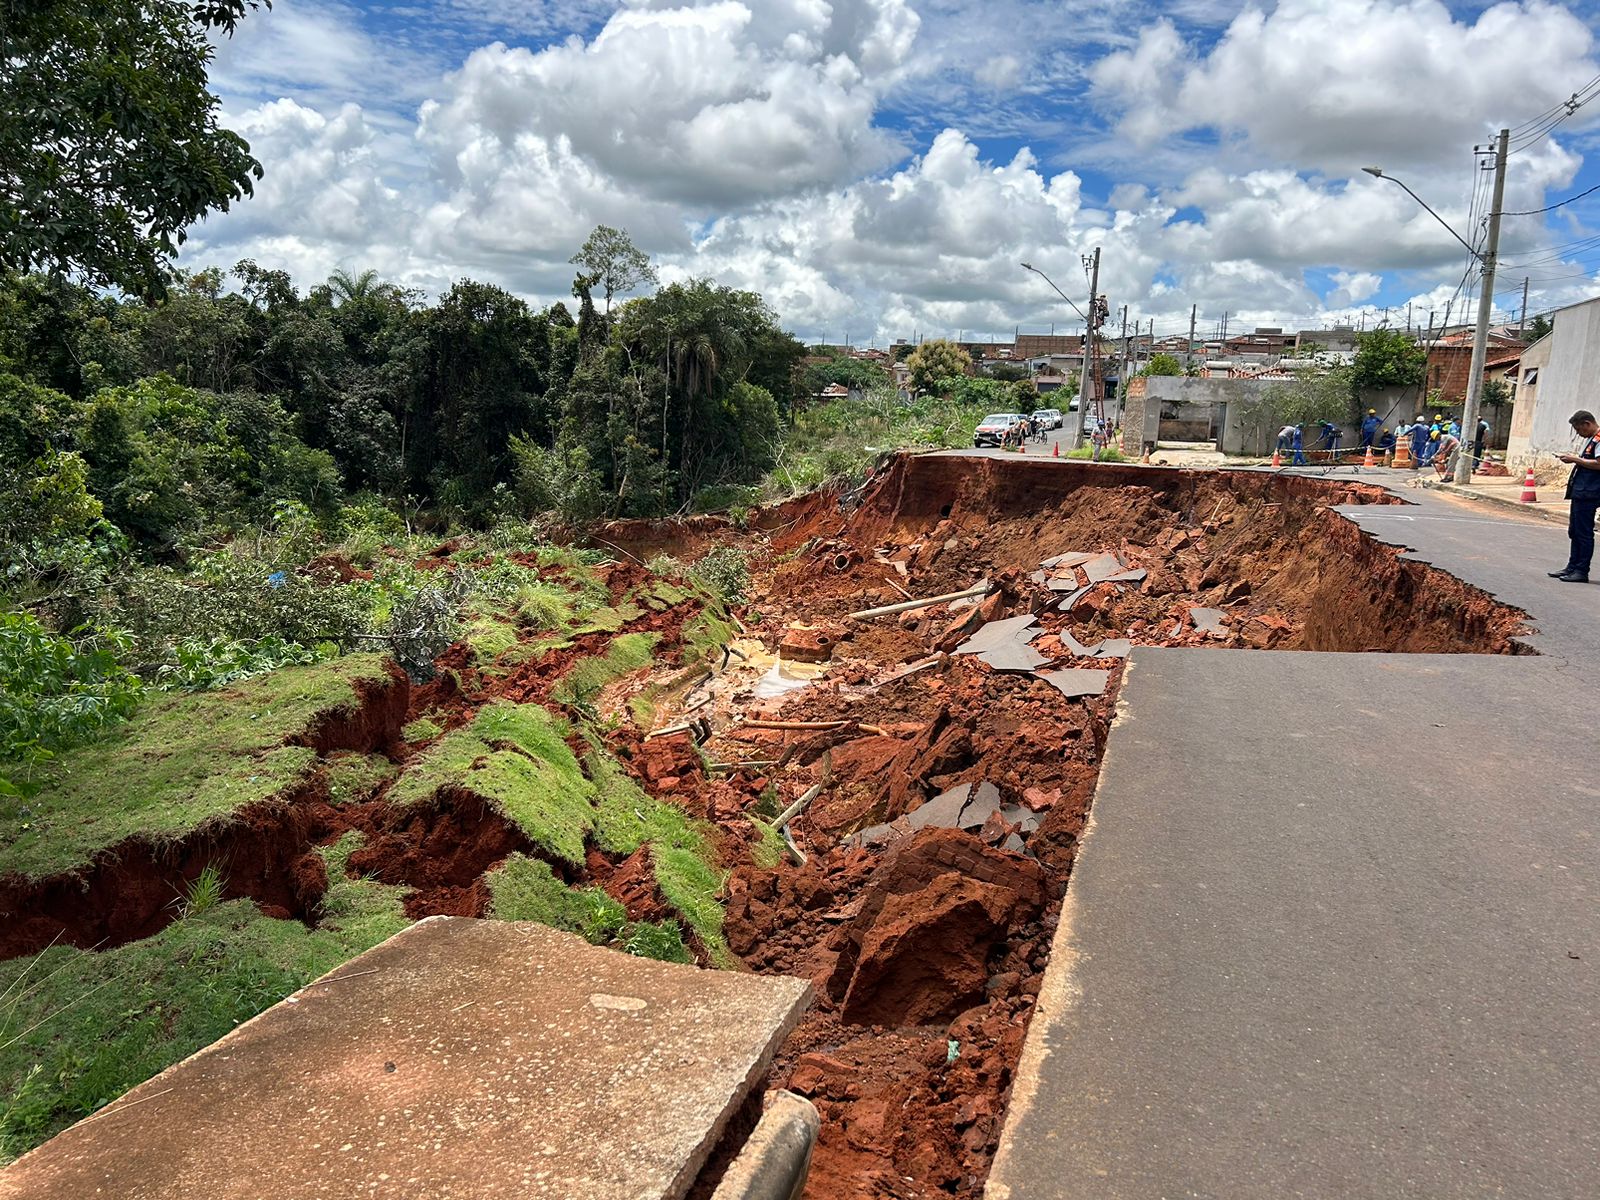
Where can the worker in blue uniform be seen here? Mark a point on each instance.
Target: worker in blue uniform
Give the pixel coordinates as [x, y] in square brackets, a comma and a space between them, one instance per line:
[1369, 429]
[1298, 445]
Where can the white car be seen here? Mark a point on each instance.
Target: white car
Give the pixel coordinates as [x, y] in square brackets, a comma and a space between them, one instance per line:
[1050, 418]
[992, 429]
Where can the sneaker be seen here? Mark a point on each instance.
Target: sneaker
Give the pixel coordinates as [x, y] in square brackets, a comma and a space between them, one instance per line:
[1572, 577]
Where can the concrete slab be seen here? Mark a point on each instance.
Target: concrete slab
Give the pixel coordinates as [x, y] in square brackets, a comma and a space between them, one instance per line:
[1208, 621]
[943, 810]
[1074, 559]
[1103, 567]
[1015, 657]
[1134, 575]
[1071, 598]
[1289, 966]
[459, 1059]
[997, 633]
[1081, 681]
[1113, 648]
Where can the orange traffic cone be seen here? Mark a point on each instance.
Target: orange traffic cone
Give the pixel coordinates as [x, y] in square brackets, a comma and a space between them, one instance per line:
[1370, 461]
[1530, 486]
[1055, 451]
[1022, 446]
[1277, 459]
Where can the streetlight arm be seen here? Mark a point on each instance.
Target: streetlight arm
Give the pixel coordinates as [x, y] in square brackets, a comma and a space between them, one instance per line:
[1058, 291]
[1378, 174]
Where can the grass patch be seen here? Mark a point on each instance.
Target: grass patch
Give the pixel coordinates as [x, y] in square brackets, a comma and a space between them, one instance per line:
[490, 635]
[768, 852]
[423, 729]
[109, 1021]
[525, 889]
[610, 619]
[584, 679]
[180, 761]
[515, 757]
[546, 606]
[355, 777]
[1108, 454]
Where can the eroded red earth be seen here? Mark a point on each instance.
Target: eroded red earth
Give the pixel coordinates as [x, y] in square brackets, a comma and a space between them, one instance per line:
[926, 946]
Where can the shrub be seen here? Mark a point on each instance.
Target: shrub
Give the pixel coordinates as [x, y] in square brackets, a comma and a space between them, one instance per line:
[54, 694]
[725, 570]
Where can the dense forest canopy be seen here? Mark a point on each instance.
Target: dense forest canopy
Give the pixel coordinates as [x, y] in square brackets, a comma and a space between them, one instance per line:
[237, 391]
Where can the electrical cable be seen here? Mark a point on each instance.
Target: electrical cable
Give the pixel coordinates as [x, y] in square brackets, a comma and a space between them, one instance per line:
[1533, 212]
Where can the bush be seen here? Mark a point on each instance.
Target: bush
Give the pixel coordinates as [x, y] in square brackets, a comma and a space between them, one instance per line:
[559, 481]
[725, 571]
[54, 694]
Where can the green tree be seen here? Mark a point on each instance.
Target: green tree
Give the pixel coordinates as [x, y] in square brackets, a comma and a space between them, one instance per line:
[1496, 392]
[613, 263]
[934, 360]
[1163, 364]
[109, 140]
[1387, 358]
[1539, 327]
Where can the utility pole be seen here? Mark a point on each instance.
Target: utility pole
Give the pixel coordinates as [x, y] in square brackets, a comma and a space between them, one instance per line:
[1188, 357]
[1086, 376]
[1480, 337]
[1522, 319]
[1122, 371]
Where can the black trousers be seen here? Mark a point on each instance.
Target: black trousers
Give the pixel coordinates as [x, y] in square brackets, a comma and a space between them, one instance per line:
[1580, 528]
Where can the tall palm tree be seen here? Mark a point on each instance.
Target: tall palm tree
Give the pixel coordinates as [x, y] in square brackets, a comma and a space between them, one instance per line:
[348, 287]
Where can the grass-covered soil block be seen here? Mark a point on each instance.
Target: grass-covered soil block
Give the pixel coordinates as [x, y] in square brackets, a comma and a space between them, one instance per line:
[78, 1028]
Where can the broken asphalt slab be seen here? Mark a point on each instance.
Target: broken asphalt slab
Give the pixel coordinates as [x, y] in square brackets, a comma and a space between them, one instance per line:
[1208, 621]
[460, 1058]
[999, 633]
[1103, 568]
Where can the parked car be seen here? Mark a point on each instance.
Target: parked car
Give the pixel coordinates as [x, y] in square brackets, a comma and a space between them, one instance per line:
[992, 429]
[1050, 418]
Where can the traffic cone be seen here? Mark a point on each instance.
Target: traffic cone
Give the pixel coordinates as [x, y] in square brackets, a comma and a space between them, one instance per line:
[1530, 486]
[1277, 459]
[1055, 451]
[1022, 446]
[1370, 461]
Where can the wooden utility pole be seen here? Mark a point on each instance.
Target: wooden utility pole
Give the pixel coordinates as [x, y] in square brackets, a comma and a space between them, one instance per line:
[1188, 358]
[1522, 320]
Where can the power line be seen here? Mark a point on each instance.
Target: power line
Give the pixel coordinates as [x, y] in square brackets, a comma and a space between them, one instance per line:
[1533, 212]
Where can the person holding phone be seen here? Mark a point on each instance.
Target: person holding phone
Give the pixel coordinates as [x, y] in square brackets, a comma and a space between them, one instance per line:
[1583, 489]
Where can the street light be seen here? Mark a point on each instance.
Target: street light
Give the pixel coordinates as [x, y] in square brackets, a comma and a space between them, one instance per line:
[1083, 373]
[1480, 335]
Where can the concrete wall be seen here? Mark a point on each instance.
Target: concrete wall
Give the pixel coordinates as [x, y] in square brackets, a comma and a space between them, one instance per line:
[1567, 373]
[1535, 360]
[1241, 428]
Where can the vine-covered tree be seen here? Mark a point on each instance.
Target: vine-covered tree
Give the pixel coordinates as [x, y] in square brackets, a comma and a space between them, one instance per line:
[935, 360]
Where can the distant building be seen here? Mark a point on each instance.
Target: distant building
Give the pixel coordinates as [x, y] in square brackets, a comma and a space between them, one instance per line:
[1555, 378]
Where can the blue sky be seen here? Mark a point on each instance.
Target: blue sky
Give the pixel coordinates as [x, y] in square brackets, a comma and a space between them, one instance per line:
[878, 168]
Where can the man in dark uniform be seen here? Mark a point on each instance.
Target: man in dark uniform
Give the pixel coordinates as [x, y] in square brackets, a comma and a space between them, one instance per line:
[1583, 489]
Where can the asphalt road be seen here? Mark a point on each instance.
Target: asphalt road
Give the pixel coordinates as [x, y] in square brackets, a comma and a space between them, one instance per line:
[1335, 927]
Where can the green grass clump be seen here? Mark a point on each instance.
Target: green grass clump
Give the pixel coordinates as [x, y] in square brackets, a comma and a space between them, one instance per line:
[768, 852]
[584, 679]
[490, 635]
[180, 761]
[1108, 454]
[706, 635]
[525, 889]
[546, 606]
[356, 777]
[610, 619]
[681, 849]
[423, 729]
[660, 940]
[516, 758]
[108, 1021]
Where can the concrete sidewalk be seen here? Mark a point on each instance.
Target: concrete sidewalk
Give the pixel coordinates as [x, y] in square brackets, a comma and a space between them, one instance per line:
[1504, 492]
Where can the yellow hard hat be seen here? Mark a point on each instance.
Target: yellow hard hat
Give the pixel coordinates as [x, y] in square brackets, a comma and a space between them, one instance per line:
[1372, 412]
